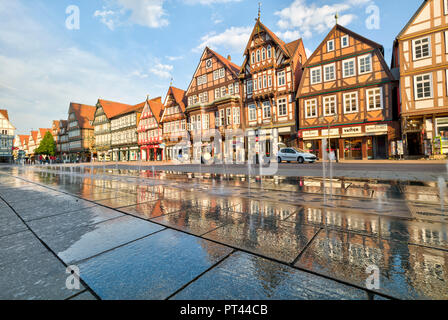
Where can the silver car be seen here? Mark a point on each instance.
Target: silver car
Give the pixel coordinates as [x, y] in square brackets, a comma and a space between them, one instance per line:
[294, 154]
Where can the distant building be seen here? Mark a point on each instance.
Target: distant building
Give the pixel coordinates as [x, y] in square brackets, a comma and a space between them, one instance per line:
[150, 131]
[80, 131]
[7, 131]
[62, 145]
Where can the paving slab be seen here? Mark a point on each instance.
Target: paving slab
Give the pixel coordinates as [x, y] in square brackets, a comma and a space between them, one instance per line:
[196, 220]
[406, 271]
[147, 210]
[10, 223]
[271, 238]
[247, 277]
[50, 206]
[42, 277]
[86, 241]
[123, 201]
[152, 268]
[20, 248]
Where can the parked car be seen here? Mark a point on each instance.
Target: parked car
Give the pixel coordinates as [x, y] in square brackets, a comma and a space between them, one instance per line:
[294, 154]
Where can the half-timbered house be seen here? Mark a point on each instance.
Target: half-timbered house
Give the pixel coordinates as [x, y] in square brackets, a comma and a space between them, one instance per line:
[80, 131]
[124, 139]
[421, 56]
[270, 74]
[150, 135]
[7, 133]
[214, 105]
[62, 146]
[174, 123]
[346, 97]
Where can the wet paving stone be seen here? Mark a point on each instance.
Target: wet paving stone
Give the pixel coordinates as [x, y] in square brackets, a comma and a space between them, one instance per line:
[68, 221]
[50, 206]
[406, 271]
[42, 277]
[86, 241]
[120, 202]
[152, 268]
[197, 220]
[268, 237]
[20, 247]
[148, 210]
[246, 277]
[275, 210]
[9, 222]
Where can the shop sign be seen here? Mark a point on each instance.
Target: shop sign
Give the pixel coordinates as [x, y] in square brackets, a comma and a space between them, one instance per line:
[351, 130]
[309, 134]
[333, 132]
[284, 130]
[376, 128]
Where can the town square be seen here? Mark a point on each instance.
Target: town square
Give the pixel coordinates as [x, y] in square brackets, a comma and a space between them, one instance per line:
[300, 157]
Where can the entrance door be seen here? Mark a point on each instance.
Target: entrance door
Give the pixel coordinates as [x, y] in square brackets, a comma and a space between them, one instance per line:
[381, 150]
[414, 144]
[353, 149]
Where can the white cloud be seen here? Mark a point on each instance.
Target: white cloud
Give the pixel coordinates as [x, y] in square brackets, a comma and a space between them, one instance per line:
[42, 72]
[303, 19]
[174, 58]
[147, 13]
[234, 38]
[209, 2]
[162, 70]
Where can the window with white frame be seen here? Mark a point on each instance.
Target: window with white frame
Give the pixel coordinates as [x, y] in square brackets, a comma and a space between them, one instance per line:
[229, 116]
[281, 78]
[330, 106]
[265, 81]
[330, 72]
[216, 75]
[348, 68]
[316, 75]
[198, 122]
[423, 86]
[311, 108]
[374, 99]
[445, 6]
[252, 109]
[249, 87]
[446, 40]
[253, 57]
[258, 55]
[269, 52]
[330, 45]
[237, 88]
[260, 83]
[270, 81]
[202, 80]
[203, 97]
[236, 115]
[345, 41]
[282, 107]
[217, 93]
[223, 91]
[351, 102]
[222, 73]
[263, 54]
[421, 48]
[222, 117]
[266, 110]
[365, 64]
[231, 89]
[217, 124]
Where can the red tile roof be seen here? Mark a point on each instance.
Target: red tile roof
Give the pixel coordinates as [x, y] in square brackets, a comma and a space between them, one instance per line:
[43, 132]
[5, 113]
[84, 114]
[229, 64]
[156, 107]
[33, 135]
[179, 96]
[113, 109]
[24, 139]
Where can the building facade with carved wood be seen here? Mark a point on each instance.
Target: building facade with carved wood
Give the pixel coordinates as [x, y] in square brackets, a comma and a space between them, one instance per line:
[80, 132]
[124, 138]
[214, 110]
[7, 134]
[421, 56]
[174, 122]
[150, 132]
[62, 145]
[347, 95]
[270, 75]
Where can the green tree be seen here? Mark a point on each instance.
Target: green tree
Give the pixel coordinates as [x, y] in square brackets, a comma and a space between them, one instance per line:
[47, 145]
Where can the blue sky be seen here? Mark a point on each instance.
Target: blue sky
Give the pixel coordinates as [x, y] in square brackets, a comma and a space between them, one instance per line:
[126, 49]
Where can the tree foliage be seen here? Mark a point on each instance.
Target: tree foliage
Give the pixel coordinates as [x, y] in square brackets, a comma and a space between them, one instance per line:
[47, 145]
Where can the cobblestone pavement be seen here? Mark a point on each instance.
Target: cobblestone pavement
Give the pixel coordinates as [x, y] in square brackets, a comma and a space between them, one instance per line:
[162, 235]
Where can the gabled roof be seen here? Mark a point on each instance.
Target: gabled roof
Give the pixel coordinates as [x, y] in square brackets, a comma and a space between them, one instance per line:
[179, 96]
[55, 124]
[413, 18]
[24, 139]
[271, 34]
[5, 114]
[293, 46]
[84, 114]
[235, 69]
[156, 107]
[33, 135]
[63, 123]
[349, 32]
[43, 132]
[113, 109]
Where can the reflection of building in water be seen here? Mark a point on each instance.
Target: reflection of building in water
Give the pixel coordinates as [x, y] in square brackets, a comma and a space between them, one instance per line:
[263, 208]
[428, 271]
